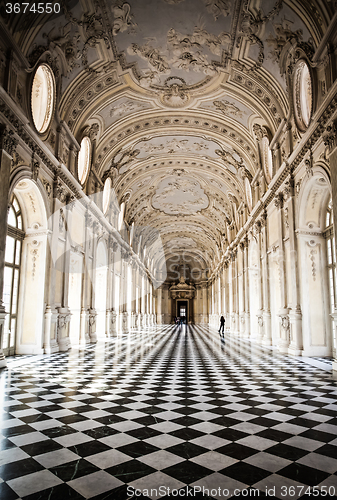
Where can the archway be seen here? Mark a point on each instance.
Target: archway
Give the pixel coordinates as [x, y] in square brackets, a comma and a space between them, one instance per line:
[316, 322]
[26, 318]
[101, 289]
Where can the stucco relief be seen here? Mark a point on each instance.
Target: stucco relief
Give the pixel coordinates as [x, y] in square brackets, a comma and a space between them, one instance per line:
[181, 243]
[179, 195]
[175, 146]
[121, 108]
[171, 145]
[215, 7]
[171, 50]
[122, 18]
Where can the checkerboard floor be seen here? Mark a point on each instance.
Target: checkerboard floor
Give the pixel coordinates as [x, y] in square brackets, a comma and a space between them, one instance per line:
[171, 407]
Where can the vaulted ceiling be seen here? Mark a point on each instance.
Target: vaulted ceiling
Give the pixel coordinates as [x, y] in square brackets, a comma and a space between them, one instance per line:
[175, 87]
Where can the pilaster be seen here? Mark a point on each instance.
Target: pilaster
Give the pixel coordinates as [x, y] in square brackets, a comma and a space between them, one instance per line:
[8, 145]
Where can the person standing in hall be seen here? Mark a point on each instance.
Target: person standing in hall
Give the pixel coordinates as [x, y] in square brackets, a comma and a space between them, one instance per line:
[222, 325]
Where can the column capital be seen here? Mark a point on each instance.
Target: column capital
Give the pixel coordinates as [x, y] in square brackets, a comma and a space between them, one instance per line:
[8, 142]
[330, 137]
[259, 131]
[59, 190]
[278, 200]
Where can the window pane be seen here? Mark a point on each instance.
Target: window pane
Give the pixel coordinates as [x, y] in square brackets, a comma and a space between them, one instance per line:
[16, 205]
[17, 252]
[5, 339]
[7, 287]
[12, 336]
[9, 255]
[19, 222]
[15, 291]
[329, 251]
[11, 217]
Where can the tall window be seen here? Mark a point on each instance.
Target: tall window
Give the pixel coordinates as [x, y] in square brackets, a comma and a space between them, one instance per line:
[331, 257]
[15, 235]
[84, 158]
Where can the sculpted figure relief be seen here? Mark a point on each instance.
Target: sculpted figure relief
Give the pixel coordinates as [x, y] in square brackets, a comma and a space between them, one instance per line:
[228, 108]
[122, 17]
[182, 51]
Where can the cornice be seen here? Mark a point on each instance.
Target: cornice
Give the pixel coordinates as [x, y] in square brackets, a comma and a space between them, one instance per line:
[312, 136]
[58, 170]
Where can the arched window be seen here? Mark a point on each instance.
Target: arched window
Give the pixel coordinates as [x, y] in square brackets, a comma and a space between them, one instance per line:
[43, 98]
[121, 216]
[249, 195]
[106, 194]
[267, 159]
[83, 163]
[302, 95]
[331, 256]
[15, 235]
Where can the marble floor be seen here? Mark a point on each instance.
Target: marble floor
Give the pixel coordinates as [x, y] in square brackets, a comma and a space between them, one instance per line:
[167, 412]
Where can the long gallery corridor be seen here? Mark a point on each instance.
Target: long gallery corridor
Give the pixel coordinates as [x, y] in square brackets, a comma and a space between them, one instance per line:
[168, 407]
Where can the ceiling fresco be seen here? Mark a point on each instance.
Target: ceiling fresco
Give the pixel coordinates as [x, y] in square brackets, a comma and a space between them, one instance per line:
[176, 91]
[179, 196]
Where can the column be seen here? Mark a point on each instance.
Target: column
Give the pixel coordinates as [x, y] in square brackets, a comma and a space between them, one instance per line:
[241, 282]
[92, 310]
[246, 287]
[112, 262]
[50, 344]
[205, 318]
[295, 313]
[226, 297]
[283, 342]
[64, 316]
[124, 284]
[236, 292]
[231, 322]
[260, 319]
[159, 306]
[267, 339]
[142, 302]
[7, 148]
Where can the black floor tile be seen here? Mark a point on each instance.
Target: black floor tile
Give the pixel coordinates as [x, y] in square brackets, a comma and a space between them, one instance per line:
[187, 421]
[318, 435]
[186, 450]
[236, 450]
[329, 451]
[189, 473]
[138, 449]
[19, 468]
[41, 447]
[303, 474]
[186, 433]
[6, 493]
[59, 492]
[100, 432]
[245, 473]
[89, 448]
[17, 431]
[73, 470]
[274, 435]
[230, 434]
[143, 433]
[54, 432]
[288, 452]
[130, 471]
